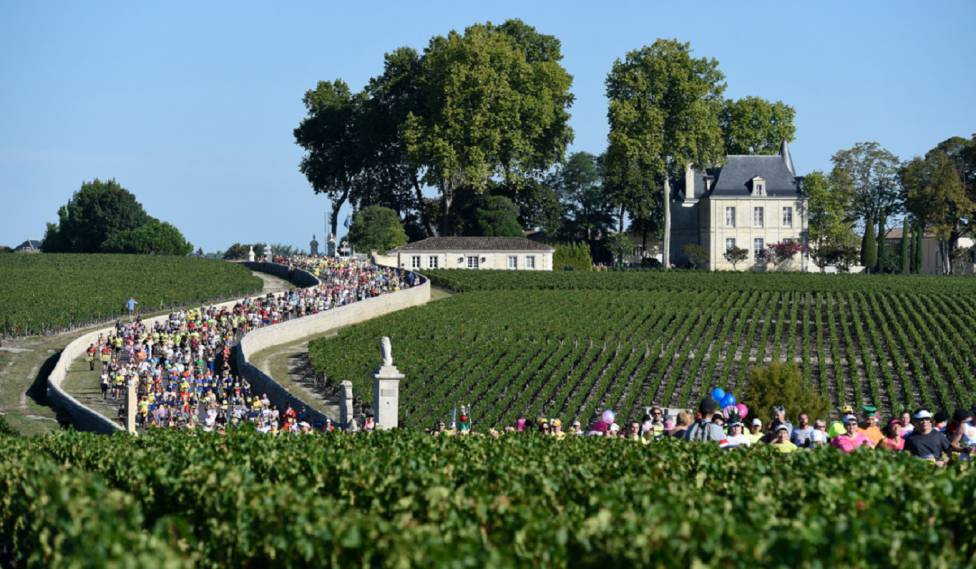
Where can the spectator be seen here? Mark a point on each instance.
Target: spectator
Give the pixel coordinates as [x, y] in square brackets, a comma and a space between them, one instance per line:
[819, 436]
[736, 437]
[803, 433]
[852, 438]
[892, 439]
[926, 442]
[601, 427]
[870, 426]
[755, 433]
[683, 421]
[962, 433]
[781, 442]
[704, 430]
[576, 428]
[907, 428]
[779, 414]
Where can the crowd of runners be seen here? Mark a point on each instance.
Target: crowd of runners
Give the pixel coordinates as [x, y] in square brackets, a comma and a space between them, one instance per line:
[181, 367]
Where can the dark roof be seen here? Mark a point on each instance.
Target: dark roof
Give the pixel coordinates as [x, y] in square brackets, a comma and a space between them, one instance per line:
[29, 244]
[475, 244]
[735, 177]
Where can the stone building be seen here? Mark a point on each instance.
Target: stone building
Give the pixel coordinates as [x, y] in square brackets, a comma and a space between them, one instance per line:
[751, 202]
[500, 253]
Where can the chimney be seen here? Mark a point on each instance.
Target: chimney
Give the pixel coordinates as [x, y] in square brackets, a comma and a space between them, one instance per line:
[689, 183]
[784, 152]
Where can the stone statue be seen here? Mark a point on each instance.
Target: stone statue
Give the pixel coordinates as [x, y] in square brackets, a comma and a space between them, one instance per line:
[387, 350]
[250, 254]
[314, 246]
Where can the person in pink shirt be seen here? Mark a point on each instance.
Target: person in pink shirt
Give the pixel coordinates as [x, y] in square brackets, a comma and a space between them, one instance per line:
[852, 438]
[892, 437]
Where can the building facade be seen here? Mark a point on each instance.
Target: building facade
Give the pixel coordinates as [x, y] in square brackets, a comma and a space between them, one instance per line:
[751, 202]
[479, 253]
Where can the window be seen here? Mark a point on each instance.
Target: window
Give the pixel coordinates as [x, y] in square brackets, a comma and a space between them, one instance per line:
[730, 243]
[758, 186]
[758, 216]
[473, 262]
[415, 262]
[787, 217]
[513, 261]
[432, 262]
[758, 245]
[530, 262]
[730, 217]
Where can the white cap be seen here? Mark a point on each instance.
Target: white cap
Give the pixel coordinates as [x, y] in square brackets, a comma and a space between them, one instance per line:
[923, 414]
[756, 422]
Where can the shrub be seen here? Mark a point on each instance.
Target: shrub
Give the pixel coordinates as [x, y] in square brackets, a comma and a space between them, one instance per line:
[781, 384]
[697, 255]
[736, 255]
[572, 257]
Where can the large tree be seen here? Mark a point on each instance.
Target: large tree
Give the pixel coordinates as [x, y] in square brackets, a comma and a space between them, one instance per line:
[492, 103]
[151, 238]
[331, 134]
[497, 216]
[830, 231]
[753, 125]
[664, 115]
[587, 214]
[95, 213]
[376, 228]
[869, 173]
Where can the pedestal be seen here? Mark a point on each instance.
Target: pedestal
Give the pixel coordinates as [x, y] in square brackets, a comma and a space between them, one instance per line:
[131, 406]
[345, 403]
[386, 397]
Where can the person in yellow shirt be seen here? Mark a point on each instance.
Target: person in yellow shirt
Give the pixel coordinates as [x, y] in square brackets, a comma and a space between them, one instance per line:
[782, 441]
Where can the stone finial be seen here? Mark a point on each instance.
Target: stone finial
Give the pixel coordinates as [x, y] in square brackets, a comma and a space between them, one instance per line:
[387, 349]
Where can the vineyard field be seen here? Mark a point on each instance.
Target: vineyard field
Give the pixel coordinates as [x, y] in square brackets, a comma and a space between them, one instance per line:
[47, 293]
[174, 499]
[570, 344]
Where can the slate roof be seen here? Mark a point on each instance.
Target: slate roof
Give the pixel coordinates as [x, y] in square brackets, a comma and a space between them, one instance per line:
[29, 245]
[475, 244]
[735, 177]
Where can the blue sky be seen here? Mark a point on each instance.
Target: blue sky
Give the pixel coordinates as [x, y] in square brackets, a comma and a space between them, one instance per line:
[191, 105]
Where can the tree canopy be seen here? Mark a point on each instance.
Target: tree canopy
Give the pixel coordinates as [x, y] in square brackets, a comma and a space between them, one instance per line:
[753, 125]
[376, 228]
[498, 217]
[151, 238]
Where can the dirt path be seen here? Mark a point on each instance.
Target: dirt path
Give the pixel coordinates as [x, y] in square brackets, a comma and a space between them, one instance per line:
[289, 366]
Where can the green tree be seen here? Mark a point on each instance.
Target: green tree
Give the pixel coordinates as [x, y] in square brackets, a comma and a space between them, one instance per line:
[906, 267]
[538, 204]
[587, 214]
[830, 231]
[869, 173]
[95, 213]
[781, 384]
[498, 217]
[572, 257]
[869, 247]
[753, 125]
[236, 251]
[376, 228]
[619, 245]
[492, 103]
[331, 135]
[664, 115]
[151, 238]
[736, 255]
[697, 254]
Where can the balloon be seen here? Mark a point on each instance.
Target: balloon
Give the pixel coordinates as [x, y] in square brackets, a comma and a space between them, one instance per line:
[608, 416]
[728, 410]
[743, 410]
[718, 394]
[729, 400]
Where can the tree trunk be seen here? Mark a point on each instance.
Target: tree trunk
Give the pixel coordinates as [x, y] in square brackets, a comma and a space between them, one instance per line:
[666, 242]
[620, 220]
[334, 217]
[424, 217]
[447, 196]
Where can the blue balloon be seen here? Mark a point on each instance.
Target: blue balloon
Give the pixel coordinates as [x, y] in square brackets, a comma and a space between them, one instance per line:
[718, 394]
[728, 400]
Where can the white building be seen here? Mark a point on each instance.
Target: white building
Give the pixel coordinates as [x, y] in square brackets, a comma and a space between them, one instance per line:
[499, 253]
[751, 202]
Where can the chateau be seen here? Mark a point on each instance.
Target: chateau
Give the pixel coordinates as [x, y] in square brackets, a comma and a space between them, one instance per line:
[751, 202]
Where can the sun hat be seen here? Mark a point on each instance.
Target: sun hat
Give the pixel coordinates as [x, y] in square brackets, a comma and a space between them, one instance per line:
[923, 414]
[781, 427]
[757, 422]
[849, 418]
[847, 410]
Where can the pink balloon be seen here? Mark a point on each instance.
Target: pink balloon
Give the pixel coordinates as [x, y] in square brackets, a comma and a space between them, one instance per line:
[743, 410]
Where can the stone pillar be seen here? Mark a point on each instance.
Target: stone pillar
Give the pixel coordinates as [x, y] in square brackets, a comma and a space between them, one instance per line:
[131, 406]
[345, 403]
[386, 397]
[332, 246]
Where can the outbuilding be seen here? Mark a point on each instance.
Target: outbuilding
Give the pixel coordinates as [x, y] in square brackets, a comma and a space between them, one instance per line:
[497, 253]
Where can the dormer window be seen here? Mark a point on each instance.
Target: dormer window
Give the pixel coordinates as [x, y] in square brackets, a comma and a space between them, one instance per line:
[758, 186]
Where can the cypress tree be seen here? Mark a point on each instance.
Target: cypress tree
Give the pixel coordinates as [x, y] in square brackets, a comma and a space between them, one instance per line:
[906, 246]
[869, 252]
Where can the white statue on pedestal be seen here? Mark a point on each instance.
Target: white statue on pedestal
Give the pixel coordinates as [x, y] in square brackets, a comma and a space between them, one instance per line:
[387, 350]
[250, 254]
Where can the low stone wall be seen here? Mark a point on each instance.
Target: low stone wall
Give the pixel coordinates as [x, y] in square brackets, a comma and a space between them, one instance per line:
[294, 330]
[84, 418]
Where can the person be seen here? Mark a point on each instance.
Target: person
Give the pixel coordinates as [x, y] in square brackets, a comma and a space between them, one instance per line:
[779, 414]
[926, 442]
[782, 441]
[963, 434]
[557, 429]
[870, 427]
[704, 430]
[634, 433]
[683, 421]
[130, 305]
[576, 428]
[907, 428]
[602, 426]
[940, 420]
[819, 437]
[90, 356]
[653, 425]
[755, 433]
[892, 439]
[803, 433]
[852, 438]
[736, 437]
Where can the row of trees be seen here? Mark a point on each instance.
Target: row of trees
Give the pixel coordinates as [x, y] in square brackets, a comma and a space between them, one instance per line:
[480, 120]
[869, 188]
[104, 217]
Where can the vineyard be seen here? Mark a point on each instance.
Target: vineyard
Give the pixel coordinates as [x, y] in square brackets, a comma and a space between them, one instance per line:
[171, 499]
[570, 344]
[51, 292]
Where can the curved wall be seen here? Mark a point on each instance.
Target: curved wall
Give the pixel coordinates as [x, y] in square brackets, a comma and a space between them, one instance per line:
[84, 418]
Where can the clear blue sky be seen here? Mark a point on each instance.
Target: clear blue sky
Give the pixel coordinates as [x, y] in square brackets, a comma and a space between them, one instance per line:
[191, 105]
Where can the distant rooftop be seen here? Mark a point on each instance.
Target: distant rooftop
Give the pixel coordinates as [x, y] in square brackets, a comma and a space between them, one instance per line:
[475, 244]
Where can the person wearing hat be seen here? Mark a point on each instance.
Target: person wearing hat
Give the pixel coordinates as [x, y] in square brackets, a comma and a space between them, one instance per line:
[870, 426]
[852, 438]
[736, 437]
[892, 439]
[557, 429]
[782, 442]
[704, 430]
[779, 414]
[576, 428]
[755, 433]
[926, 442]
